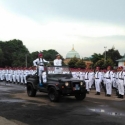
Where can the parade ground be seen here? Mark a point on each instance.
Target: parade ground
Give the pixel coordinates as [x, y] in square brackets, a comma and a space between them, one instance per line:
[16, 108]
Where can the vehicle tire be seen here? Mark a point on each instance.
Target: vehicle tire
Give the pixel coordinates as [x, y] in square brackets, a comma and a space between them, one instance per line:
[80, 96]
[53, 94]
[31, 91]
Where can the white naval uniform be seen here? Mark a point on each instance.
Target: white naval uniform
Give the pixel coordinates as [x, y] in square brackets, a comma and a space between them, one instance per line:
[87, 81]
[114, 80]
[109, 81]
[121, 82]
[91, 79]
[6, 75]
[98, 80]
[14, 76]
[57, 62]
[3, 75]
[40, 63]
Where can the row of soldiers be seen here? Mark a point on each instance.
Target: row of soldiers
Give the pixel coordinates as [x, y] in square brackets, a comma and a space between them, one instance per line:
[106, 79]
[16, 75]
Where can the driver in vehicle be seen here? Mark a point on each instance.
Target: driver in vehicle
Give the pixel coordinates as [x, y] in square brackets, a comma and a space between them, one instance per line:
[58, 62]
[39, 63]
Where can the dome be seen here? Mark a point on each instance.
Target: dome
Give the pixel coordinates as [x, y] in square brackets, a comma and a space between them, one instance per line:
[72, 54]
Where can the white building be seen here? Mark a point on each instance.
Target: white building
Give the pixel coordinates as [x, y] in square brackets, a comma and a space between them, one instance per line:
[121, 62]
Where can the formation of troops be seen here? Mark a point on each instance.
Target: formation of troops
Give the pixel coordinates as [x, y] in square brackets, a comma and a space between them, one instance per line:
[16, 75]
[107, 79]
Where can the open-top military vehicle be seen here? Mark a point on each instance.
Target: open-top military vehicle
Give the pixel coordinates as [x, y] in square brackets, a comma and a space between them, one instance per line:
[57, 82]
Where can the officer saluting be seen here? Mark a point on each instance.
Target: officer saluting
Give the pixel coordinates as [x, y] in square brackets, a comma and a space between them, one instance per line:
[39, 63]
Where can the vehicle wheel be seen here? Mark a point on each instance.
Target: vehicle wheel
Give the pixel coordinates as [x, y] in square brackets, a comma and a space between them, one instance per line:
[80, 96]
[31, 91]
[53, 94]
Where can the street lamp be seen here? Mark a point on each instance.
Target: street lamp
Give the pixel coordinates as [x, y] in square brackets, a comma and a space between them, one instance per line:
[105, 53]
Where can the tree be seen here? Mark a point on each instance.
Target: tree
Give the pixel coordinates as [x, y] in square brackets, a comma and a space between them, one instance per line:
[80, 64]
[95, 58]
[113, 54]
[14, 53]
[1, 57]
[72, 62]
[102, 64]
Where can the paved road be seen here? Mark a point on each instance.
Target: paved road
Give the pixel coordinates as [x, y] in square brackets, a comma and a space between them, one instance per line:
[16, 108]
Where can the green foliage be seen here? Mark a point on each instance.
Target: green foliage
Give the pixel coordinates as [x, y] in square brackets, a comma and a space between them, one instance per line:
[102, 64]
[113, 54]
[80, 64]
[76, 63]
[96, 57]
[14, 53]
[72, 62]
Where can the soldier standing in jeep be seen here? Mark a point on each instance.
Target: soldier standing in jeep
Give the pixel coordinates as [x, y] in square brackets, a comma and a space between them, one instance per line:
[39, 63]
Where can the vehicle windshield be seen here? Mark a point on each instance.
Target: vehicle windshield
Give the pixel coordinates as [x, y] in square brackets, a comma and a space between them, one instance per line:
[58, 70]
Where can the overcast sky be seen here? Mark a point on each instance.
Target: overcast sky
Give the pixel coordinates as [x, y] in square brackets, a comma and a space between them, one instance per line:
[89, 25]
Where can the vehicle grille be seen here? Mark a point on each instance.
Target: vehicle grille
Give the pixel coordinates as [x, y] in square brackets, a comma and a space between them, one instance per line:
[74, 84]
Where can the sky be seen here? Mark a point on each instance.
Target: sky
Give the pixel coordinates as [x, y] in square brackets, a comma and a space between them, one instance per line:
[91, 26]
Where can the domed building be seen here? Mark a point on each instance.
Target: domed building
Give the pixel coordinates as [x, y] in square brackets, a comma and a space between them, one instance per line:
[72, 54]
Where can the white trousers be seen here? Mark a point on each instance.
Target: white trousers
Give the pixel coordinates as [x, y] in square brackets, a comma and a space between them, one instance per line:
[121, 87]
[87, 85]
[109, 87]
[40, 70]
[97, 85]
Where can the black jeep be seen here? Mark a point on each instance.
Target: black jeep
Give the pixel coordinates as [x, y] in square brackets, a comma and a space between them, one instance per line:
[57, 82]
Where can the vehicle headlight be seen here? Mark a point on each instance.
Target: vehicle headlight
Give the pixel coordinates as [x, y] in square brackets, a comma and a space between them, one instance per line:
[81, 83]
[66, 84]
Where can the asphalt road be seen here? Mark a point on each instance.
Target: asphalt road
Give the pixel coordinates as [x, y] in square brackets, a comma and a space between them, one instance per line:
[16, 108]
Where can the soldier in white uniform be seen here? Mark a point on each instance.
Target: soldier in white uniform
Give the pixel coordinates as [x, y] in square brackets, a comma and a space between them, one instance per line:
[121, 83]
[6, 74]
[14, 75]
[57, 62]
[3, 74]
[87, 80]
[109, 81]
[39, 63]
[91, 78]
[98, 80]
[117, 81]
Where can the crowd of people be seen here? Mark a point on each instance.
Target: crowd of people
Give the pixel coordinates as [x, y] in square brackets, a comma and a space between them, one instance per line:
[106, 79]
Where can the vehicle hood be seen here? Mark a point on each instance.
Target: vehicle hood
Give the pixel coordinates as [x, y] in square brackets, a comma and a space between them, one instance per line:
[65, 79]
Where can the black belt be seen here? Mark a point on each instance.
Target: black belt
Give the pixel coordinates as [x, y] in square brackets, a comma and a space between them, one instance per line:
[41, 65]
[86, 79]
[107, 78]
[96, 78]
[121, 78]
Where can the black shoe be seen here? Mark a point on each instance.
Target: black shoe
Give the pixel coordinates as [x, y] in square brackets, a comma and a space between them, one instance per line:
[87, 92]
[108, 95]
[98, 93]
[119, 96]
